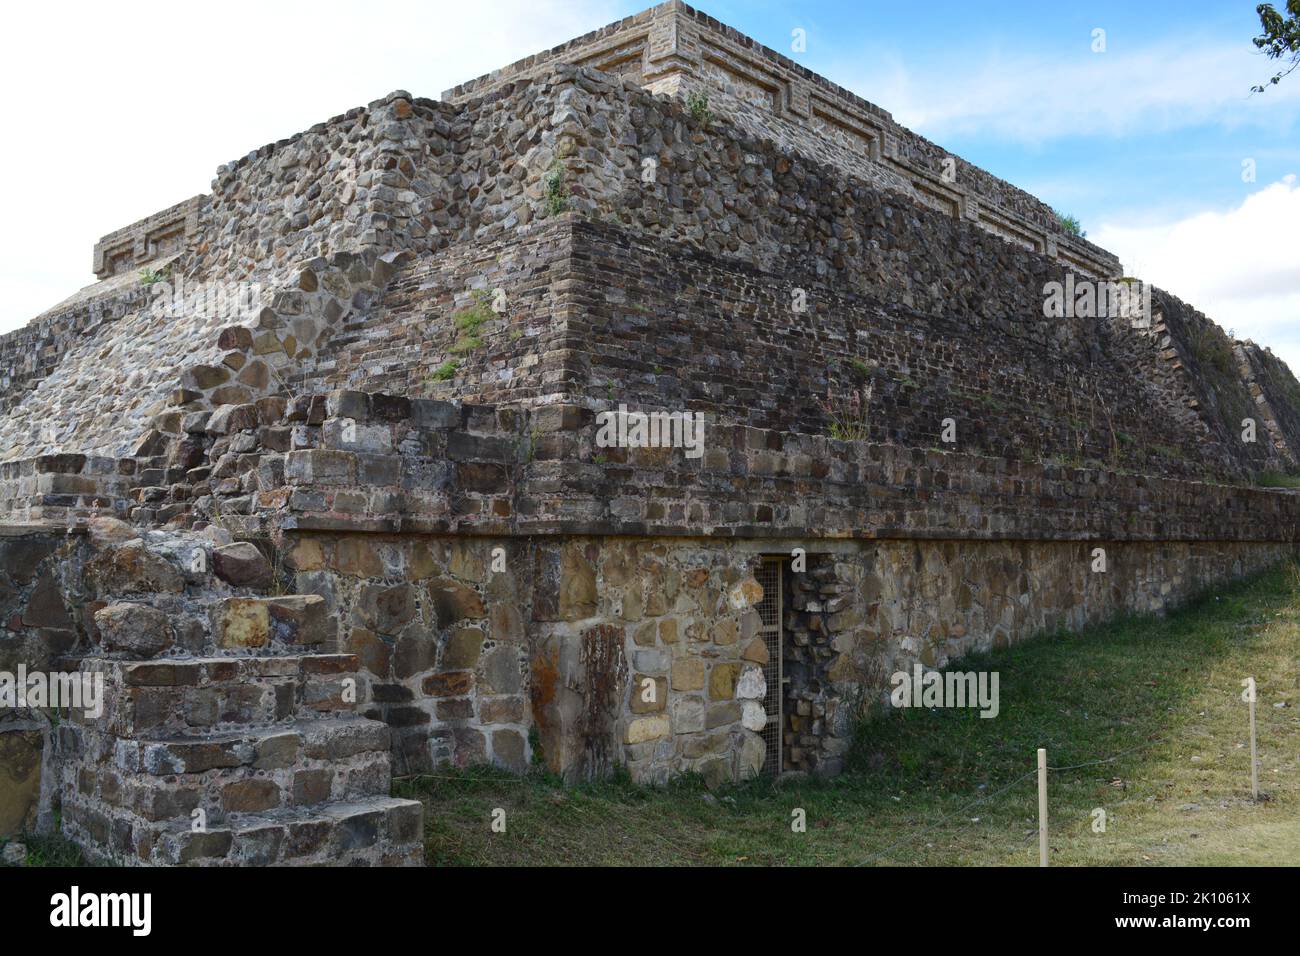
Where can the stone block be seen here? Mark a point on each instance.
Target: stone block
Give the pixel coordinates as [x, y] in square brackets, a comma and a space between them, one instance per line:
[252, 795]
[242, 565]
[646, 728]
[722, 681]
[751, 685]
[688, 714]
[688, 673]
[649, 695]
[135, 629]
[21, 758]
[241, 623]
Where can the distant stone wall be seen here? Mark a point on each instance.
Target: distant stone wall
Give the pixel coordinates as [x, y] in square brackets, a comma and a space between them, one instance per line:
[681, 329]
[30, 353]
[671, 47]
[708, 334]
[163, 234]
[1276, 396]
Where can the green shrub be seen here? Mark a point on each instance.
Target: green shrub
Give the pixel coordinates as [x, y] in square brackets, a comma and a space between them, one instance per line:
[1069, 224]
[697, 103]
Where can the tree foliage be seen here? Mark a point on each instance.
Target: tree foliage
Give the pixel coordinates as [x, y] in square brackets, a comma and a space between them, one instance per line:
[1280, 39]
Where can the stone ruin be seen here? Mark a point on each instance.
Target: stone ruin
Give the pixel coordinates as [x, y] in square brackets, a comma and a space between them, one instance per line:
[312, 477]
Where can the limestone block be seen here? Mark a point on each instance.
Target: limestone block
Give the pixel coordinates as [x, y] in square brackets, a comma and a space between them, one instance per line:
[131, 568]
[722, 681]
[750, 759]
[133, 628]
[751, 685]
[241, 622]
[745, 594]
[21, 755]
[688, 673]
[688, 715]
[649, 695]
[453, 602]
[646, 728]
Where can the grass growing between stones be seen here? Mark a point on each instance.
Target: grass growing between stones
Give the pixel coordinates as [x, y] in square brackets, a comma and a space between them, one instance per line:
[1157, 699]
[52, 849]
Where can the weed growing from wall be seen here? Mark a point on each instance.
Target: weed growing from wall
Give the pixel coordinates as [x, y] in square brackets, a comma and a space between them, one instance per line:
[697, 103]
[469, 321]
[555, 192]
[445, 371]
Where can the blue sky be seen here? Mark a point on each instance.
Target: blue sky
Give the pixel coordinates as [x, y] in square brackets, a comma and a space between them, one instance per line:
[133, 107]
[1150, 158]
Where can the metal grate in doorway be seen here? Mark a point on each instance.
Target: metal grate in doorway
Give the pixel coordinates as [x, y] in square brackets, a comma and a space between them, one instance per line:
[770, 610]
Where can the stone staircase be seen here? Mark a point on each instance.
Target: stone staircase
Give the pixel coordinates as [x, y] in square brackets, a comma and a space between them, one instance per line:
[228, 732]
[233, 761]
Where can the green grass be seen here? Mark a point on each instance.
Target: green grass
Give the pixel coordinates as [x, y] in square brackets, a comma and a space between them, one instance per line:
[51, 849]
[1275, 479]
[945, 787]
[469, 321]
[445, 371]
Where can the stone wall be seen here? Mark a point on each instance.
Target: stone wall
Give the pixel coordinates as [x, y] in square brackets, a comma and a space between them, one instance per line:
[218, 698]
[39, 623]
[1276, 397]
[671, 48]
[30, 353]
[934, 303]
[866, 611]
[155, 237]
[510, 592]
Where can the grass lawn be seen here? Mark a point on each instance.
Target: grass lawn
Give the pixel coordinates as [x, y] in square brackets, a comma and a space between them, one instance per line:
[944, 787]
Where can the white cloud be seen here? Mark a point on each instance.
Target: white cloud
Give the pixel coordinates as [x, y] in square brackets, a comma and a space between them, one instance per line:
[1241, 267]
[1032, 97]
[114, 112]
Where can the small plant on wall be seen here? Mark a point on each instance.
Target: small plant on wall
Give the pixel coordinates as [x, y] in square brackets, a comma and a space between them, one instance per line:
[469, 321]
[151, 277]
[697, 104]
[1069, 224]
[850, 411]
[555, 192]
[445, 371]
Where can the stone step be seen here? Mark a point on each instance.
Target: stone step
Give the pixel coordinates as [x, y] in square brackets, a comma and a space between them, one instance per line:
[211, 623]
[199, 696]
[377, 831]
[301, 764]
[262, 748]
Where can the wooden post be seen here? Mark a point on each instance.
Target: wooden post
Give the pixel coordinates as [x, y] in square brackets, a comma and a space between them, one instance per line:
[1254, 762]
[1042, 806]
